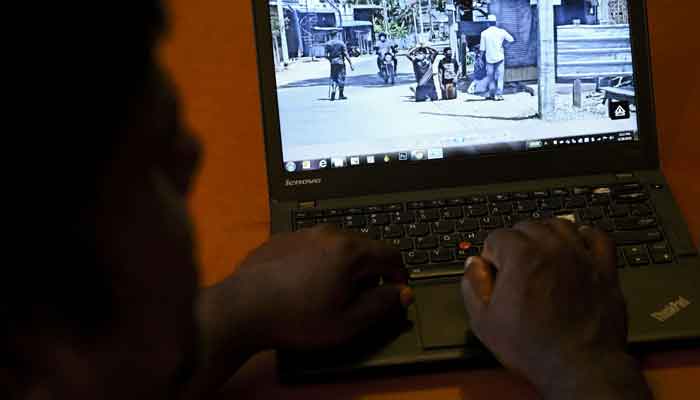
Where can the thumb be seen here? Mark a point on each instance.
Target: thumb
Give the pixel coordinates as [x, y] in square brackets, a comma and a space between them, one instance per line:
[477, 285]
[379, 304]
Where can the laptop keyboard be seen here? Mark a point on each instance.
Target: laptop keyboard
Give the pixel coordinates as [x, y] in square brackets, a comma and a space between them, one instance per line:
[437, 236]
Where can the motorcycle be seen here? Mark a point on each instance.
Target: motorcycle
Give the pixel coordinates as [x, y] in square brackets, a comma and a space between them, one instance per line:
[387, 69]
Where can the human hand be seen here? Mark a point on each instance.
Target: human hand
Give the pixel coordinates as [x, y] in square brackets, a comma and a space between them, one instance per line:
[546, 300]
[319, 288]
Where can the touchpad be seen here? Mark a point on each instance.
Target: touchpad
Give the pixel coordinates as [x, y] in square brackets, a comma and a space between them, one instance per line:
[442, 319]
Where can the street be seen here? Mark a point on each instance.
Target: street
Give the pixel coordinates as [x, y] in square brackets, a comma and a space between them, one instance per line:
[379, 118]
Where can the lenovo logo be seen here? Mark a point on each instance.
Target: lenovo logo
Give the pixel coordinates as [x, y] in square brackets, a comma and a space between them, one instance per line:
[303, 182]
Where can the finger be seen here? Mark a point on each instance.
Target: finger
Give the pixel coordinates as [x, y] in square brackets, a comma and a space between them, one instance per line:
[372, 258]
[567, 230]
[378, 304]
[502, 245]
[477, 286]
[602, 250]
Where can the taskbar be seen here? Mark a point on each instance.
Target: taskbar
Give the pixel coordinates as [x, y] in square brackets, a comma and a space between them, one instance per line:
[455, 151]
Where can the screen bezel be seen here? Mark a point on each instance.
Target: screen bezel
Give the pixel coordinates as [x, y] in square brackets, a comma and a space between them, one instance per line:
[505, 167]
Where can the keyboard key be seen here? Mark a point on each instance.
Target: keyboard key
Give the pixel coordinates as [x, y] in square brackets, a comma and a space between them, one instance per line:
[433, 272]
[575, 202]
[452, 213]
[467, 225]
[494, 222]
[379, 219]
[634, 223]
[336, 212]
[437, 203]
[599, 200]
[526, 206]
[591, 214]
[416, 257]
[501, 208]
[605, 225]
[662, 258]
[450, 240]
[305, 223]
[354, 221]
[476, 199]
[335, 221]
[602, 190]
[371, 232]
[617, 211]
[561, 192]
[401, 217]
[581, 191]
[628, 198]
[373, 209]
[441, 255]
[494, 198]
[392, 232]
[521, 196]
[416, 205]
[403, 244]
[354, 211]
[621, 263]
[427, 243]
[640, 210]
[638, 261]
[636, 237]
[628, 187]
[477, 237]
[539, 215]
[456, 202]
[308, 214]
[554, 203]
[417, 230]
[660, 247]
[443, 227]
[632, 251]
[393, 207]
[541, 194]
[463, 254]
[428, 215]
[477, 210]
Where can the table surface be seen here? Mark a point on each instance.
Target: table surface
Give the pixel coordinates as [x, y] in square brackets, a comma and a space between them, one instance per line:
[211, 53]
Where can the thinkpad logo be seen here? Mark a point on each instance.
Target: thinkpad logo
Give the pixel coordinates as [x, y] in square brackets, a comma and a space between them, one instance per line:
[671, 309]
[303, 182]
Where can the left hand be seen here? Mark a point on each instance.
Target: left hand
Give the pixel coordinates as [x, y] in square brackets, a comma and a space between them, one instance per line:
[316, 288]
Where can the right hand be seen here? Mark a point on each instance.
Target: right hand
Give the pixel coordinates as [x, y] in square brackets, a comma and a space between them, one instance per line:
[545, 298]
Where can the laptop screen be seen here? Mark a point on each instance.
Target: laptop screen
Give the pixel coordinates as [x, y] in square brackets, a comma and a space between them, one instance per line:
[366, 86]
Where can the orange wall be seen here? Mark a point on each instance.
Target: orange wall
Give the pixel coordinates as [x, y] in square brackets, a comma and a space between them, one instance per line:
[211, 53]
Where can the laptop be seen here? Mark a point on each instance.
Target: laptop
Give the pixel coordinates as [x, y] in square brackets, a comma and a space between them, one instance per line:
[572, 135]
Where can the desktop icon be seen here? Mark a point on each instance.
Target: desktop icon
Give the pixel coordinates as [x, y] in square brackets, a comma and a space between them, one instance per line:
[435, 154]
[355, 161]
[291, 166]
[323, 164]
[370, 160]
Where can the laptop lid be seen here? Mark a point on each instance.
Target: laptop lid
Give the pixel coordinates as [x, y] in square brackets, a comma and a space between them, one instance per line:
[381, 140]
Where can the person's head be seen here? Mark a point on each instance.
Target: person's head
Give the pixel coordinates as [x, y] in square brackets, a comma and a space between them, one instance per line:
[421, 55]
[334, 34]
[102, 305]
[382, 37]
[492, 20]
[448, 53]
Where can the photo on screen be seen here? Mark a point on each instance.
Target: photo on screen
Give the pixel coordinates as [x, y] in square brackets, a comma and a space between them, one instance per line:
[413, 78]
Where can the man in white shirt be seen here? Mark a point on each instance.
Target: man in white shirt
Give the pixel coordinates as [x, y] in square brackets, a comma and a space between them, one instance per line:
[492, 45]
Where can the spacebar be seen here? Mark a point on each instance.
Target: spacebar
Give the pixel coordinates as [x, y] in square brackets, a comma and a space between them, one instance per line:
[436, 271]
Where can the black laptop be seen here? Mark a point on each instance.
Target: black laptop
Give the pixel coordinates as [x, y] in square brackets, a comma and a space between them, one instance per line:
[572, 135]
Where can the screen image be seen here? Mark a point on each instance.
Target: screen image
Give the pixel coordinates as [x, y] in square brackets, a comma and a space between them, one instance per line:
[388, 81]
